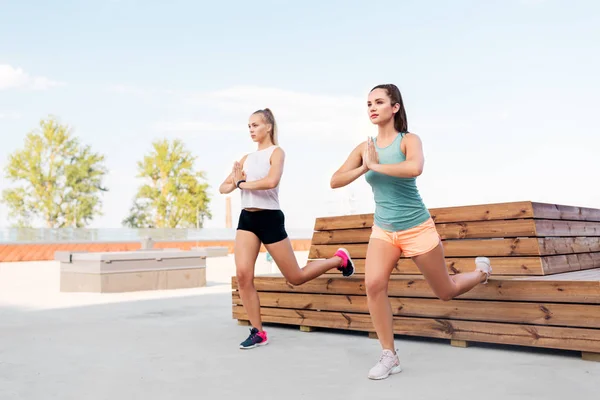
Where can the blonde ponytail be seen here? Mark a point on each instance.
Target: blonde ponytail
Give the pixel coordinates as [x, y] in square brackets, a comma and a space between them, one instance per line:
[269, 119]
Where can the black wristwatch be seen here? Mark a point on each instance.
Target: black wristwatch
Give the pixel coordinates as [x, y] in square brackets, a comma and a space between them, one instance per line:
[239, 183]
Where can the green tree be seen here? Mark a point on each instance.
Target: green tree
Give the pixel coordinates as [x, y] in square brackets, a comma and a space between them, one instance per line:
[59, 181]
[174, 194]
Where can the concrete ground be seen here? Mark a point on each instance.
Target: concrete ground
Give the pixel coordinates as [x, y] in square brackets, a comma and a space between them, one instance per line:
[182, 344]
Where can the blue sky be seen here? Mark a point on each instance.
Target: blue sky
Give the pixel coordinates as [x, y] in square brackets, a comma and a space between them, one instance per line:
[503, 94]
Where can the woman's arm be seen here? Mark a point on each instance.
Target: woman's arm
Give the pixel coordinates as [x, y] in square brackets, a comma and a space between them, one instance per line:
[412, 167]
[351, 170]
[271, 180]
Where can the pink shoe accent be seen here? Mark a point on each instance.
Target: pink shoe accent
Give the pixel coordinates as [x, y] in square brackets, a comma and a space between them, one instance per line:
[263, 335]
[343, 255]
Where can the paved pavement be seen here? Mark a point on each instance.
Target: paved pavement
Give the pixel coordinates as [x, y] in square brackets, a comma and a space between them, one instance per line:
[182, 344]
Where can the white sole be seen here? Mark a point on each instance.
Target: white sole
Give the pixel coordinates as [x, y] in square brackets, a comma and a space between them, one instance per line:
[394, 370]
[255, 346]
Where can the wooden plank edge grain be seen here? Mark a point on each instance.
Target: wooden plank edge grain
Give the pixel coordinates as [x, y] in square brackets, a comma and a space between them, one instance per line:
[570, 262]
[577, 339]
[565, 212]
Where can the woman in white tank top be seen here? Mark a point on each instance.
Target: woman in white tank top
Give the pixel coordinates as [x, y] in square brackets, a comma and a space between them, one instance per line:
[261, 220]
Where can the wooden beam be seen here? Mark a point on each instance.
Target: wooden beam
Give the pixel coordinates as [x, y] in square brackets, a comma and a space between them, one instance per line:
[543, 313]
[304, 328]
[502, 265]
[578, 339]
[485, 247]
[563, 212]
[471, 213]
[570, 262]
[589, 356]
[553, 288]
[475, 230]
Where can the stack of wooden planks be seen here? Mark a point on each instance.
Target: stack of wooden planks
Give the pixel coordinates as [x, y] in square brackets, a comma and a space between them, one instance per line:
[544, 291]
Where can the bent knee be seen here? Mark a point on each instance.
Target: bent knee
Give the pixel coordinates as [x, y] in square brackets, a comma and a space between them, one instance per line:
[376, 286]
[244, 278]
[445, 296]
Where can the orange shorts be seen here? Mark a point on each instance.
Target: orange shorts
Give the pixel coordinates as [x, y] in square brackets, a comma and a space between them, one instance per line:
[414, 241]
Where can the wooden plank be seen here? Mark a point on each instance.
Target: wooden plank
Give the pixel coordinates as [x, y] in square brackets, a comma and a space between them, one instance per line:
[485, 247]
[591, 275]
[569, 245]
[481, 212]
[344, 222]
[574, 315]
[304, 328]
[588, 356]
[459, 343]
[564, 212]
[547, 228]
[462, 230]
[569, 262]
[539, 289]
[476, 230]
[501, 265]
[579, 339]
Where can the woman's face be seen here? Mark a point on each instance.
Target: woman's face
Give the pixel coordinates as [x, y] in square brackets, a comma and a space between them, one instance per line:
[259, 129]
[379, 107]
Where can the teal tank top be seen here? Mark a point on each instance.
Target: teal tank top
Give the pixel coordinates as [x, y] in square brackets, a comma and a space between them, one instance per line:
[398, 204]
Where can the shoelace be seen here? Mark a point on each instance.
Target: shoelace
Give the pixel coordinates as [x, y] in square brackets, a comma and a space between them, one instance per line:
[386, 356]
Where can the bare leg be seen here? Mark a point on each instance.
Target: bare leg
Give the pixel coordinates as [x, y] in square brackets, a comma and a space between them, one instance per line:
[283, 255]
[246, 249]
[446, 287]
[381, 259]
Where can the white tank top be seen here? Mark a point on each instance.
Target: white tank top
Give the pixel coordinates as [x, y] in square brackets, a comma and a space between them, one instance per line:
[256, 166]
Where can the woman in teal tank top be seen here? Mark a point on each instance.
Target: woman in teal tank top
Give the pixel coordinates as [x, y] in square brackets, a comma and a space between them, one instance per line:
[402, 225]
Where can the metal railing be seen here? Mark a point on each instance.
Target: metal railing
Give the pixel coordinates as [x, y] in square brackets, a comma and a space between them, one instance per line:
[71, 235]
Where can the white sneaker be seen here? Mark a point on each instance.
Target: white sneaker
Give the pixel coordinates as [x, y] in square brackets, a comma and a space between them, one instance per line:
[483, 264]
[387, 365]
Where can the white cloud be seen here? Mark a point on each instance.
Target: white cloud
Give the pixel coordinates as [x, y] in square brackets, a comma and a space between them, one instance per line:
[298, 114]
[10, 115]
[131, 90]
[16, 78]
[191, 126]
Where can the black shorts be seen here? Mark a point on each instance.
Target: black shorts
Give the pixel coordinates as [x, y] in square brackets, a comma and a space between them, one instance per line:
[268, 225]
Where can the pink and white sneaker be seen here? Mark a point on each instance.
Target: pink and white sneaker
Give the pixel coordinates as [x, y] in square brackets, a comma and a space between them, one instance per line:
[387, 365]
[347, 266]
[256, 338]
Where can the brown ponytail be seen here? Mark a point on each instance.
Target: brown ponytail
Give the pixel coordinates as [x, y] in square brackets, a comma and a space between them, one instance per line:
[269, 119]
[400, 121]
